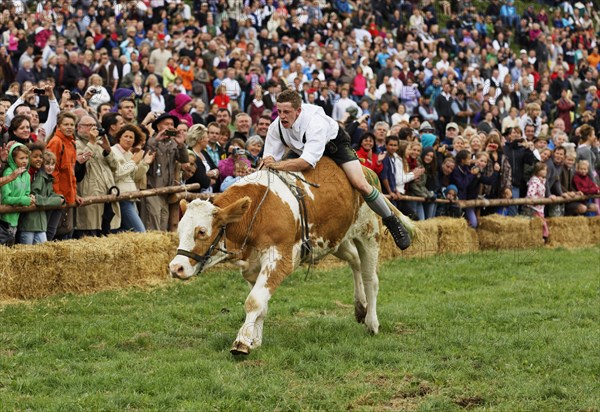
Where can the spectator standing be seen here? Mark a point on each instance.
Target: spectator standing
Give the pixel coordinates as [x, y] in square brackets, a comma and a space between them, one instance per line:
[62, 144]
[129, 168]
[16, 192]
[98, 179]
[168, 149]
[33, 225]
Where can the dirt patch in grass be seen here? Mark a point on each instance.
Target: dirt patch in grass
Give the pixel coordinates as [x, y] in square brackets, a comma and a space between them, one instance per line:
[469, 402]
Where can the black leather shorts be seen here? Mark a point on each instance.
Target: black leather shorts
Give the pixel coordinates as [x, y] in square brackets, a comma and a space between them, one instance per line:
[340, 149]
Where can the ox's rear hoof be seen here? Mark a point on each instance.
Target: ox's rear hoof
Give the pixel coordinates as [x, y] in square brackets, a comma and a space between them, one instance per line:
[239, 348]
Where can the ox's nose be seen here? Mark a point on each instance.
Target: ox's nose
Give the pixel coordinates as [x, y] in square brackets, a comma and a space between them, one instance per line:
[177, 270]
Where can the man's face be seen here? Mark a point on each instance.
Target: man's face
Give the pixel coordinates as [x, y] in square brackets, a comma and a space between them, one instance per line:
[540, 144]
[451, 133]
[380, 133]
[391, 147]
[223, 118]
[262, 127]
[103, 110]
[558, 156]
[415, 123]
[288, 114]
[85, 126]
[243, 124]
[213, 134]
[166, 124]
[2, 115]
[24, 111]
[127, 110]
[529, 132]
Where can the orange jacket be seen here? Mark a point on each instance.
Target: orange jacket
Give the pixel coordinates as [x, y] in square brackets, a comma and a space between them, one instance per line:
[187, 76]
[64, 174]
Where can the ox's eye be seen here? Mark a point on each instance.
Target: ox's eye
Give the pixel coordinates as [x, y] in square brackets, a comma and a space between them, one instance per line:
[200, 232]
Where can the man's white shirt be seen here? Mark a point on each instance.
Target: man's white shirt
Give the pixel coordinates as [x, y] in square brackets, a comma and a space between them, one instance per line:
[313, 123]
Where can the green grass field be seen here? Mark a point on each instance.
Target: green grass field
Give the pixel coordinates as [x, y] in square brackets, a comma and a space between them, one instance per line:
[502, 331]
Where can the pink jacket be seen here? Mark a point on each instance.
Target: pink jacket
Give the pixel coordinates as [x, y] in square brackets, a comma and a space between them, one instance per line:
[536, 189]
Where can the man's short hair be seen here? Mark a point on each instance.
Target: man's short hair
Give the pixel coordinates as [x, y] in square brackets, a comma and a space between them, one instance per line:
[290, 96]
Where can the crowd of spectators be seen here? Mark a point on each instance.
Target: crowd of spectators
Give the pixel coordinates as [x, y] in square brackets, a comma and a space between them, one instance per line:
[442, 100]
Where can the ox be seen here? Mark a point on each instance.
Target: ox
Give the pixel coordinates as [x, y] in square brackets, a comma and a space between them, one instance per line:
[257, 224]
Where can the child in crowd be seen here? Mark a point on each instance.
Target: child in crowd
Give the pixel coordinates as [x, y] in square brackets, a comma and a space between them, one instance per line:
[449, 209]
[240, 169]
[585, 184]
[536, 189]
[33, 225]
[15, 193]
[467, 178]
[221, 99]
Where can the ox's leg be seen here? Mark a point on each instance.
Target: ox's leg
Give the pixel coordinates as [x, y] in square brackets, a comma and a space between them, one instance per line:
[368, 251]
[274, 268]
[348, 252]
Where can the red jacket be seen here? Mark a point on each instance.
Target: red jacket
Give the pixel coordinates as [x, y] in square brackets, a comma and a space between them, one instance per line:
[585, 184]
[371, 163]
[65, 182]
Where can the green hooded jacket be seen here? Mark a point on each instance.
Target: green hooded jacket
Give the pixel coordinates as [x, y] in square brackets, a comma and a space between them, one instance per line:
[15, 193]
[44, 196]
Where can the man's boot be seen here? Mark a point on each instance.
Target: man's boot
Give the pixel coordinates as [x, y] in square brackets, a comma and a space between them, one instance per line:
[398, 231]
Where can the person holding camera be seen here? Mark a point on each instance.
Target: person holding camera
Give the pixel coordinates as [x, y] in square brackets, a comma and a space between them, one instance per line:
[168, 144]
[96, 92]
[20, 107]
[235, 153]
[519, 153]
[95, 159]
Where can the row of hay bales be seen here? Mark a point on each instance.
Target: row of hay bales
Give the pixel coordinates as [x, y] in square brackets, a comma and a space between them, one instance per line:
[128, 259]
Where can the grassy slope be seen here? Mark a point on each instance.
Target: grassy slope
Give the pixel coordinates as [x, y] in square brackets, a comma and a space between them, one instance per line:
[494, 331]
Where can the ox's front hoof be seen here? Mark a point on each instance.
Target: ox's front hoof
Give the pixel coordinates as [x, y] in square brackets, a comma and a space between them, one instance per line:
[239, 348]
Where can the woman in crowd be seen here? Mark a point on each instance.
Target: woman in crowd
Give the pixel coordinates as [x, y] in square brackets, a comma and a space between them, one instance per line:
[128, 168]
[197, 140]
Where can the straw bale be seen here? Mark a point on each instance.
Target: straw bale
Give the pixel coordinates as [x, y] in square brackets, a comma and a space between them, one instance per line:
[497, 232]
[455, 236]
[86, 265]
[424, 244]
[594, 225]
[569, 232]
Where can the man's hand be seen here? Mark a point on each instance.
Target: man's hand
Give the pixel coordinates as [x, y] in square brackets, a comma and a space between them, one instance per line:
[507, 194]
[64, 98]
[268, 161]
[50, 92]
[28, 93]
[78, 200]
[84, 157]
[180, 138]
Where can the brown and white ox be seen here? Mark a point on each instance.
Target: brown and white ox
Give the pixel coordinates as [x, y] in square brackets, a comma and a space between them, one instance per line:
[260, 214]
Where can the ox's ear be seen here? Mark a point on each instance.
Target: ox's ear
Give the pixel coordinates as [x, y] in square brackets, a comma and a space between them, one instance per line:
[183, 204]
[234, 212]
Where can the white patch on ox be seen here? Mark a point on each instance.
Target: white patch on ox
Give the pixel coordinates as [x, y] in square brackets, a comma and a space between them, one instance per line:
[198, 213]
[276, 186]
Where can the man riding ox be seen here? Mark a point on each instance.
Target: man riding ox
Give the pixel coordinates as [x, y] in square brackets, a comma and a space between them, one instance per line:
[309, 134]
[273, 220]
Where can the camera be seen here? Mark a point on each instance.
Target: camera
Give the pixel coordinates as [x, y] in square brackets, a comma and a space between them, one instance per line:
[171, 133]
[238, 151]
[101, 132]
[40, 92]
[96, 91]
[75, 96]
